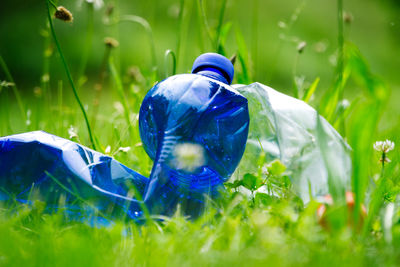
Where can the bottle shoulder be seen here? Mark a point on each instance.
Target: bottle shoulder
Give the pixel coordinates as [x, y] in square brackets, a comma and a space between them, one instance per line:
[177, 85]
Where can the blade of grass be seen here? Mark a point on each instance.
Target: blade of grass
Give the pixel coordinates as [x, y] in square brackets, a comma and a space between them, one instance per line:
[88, 42]
[220, 23]
[121, 94]
[76, 195]
[254, 36]
[172, 54]
[203, 16]
[14, 87]
[145, 24]
[310, 91]
[340, 45]
[179, 34]
[244, 76]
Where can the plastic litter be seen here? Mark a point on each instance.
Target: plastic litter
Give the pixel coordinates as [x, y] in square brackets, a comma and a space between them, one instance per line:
[194, 127]
[286, 128]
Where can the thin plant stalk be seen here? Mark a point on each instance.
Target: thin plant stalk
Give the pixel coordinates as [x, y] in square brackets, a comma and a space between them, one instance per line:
[60, 105]
[254, 35]
[88, 43]
[295, 87]
[75, 194]
[340, 46]
[99, 86]
[6, 111]
[180, 25]
[340, 57]
[121, 94]
[145, 24]
[220, 22]
[69, 75]
[45, 80]
[205, 22]
[200, 34]
[14, 87]
[172, 54]
[293, 18]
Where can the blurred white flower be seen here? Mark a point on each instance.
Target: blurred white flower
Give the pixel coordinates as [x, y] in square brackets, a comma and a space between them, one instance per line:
[188, 156]
[118, 107]
[6, 84]
[96, 3]
[384, 146]
[301, 46]
[124, 149]
[72, 132]
[107, 150]
[264, 169]
[282, 25]
[28, 117]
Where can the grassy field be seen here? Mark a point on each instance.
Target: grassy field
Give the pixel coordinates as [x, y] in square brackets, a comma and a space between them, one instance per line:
[64, 76]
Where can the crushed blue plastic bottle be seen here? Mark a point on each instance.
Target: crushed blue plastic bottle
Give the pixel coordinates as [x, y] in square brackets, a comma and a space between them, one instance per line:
[193, 126]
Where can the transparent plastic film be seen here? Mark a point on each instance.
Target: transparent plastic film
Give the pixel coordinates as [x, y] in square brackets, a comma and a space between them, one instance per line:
[290, 130]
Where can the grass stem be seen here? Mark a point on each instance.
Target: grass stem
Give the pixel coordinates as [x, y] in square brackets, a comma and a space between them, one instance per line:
[205, 22]
[145, 24]
[14, 87]
[121, 94]
[220, 22]
[53, 32]
[340, 47]
[172, 54]
[88, 43]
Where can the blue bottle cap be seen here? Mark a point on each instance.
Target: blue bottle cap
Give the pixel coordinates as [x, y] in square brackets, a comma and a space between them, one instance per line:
[214, 60]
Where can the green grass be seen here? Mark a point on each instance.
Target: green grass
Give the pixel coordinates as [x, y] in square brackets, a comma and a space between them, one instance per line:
[240, 230]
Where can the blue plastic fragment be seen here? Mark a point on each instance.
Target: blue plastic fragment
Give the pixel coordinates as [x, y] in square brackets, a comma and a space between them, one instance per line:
[50, 167]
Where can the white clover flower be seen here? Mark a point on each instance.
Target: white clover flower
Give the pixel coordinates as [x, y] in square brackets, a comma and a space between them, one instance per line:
[188, 156]
[384, 146]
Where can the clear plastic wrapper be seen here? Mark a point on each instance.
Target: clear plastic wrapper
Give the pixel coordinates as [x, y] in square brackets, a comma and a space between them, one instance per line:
[290, 130]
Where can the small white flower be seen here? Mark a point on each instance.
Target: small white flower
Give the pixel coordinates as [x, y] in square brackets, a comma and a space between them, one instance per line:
[188, 156]
[124, 149]
[107, 150]
[28, 117]
[282, 25]
[301, 46]
[118, 107]
[384, 146]
[96, 3]
[6, 84]
[264, 169]
[72, 132]
[344, 103]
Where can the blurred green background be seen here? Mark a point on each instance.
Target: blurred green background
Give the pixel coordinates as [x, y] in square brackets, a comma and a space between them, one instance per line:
[271, 30]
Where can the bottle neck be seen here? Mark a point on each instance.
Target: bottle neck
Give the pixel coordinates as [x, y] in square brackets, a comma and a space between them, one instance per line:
[213, 73]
